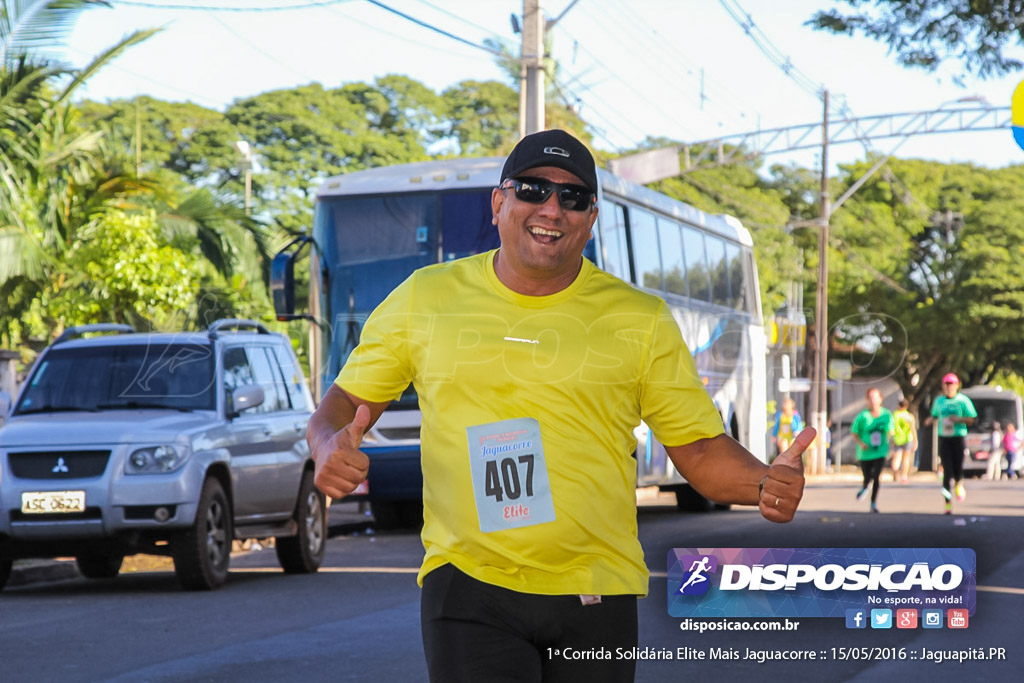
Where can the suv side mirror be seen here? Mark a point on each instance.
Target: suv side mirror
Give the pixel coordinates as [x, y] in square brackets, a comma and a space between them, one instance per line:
[247, 396]
[5, 404]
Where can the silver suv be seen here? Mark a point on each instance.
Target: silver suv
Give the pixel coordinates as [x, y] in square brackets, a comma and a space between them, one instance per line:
[168, 444]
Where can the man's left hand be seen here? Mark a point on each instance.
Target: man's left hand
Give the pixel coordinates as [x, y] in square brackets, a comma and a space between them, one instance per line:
[784, 485]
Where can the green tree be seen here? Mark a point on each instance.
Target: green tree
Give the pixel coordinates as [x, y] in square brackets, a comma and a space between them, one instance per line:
[929, 279]
[52, 178]
[119, 269]
[305, 134]
[194, 142]
[483, 117]
[925, 33]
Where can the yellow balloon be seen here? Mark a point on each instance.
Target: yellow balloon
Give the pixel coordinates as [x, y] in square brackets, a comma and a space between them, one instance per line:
[1017, 105]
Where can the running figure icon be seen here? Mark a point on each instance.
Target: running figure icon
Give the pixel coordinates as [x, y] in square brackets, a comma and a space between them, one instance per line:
[696, 570]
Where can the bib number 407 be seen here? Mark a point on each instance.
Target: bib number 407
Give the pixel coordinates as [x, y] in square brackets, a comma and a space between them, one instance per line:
[502, 478]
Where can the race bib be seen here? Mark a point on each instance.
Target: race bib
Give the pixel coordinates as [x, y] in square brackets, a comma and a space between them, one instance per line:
[948, 426]
[510, 475]
[876, 439]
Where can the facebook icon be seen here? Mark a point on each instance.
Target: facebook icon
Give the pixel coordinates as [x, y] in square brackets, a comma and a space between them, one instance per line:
[856, 618]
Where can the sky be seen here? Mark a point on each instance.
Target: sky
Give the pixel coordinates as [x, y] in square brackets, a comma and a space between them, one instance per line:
[681, 69]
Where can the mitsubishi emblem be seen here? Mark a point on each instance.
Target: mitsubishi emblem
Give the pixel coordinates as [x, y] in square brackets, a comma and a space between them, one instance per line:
[61, 466]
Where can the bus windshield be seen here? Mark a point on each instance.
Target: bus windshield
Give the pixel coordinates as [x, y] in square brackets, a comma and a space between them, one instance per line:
[372, 243]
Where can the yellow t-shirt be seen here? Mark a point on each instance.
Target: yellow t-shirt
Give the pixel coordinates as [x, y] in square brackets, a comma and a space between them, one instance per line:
[585, 363]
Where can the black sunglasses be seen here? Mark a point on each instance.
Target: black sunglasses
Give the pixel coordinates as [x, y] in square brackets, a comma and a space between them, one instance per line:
[537, 191]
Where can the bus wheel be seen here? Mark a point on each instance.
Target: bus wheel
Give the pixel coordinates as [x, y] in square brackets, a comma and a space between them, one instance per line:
[689, 500]
[389, 515]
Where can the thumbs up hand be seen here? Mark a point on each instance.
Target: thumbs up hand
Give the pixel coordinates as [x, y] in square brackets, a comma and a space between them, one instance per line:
[783, 486]
[340, 465]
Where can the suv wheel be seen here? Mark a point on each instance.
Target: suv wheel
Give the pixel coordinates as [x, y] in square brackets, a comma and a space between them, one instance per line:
[99, 566]
[202, 553]
[303, 553]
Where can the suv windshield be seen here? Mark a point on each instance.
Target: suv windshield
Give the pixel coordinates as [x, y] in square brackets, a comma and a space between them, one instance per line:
[171, 376]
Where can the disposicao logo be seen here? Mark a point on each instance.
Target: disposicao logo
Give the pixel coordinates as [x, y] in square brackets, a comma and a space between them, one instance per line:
[818, 582]
[695, 581]
[1017, 114]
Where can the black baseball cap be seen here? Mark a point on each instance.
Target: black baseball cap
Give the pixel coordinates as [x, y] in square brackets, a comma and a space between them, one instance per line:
[552, 148]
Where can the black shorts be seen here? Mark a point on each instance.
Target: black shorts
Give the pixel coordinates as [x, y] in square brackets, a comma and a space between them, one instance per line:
[473, 631]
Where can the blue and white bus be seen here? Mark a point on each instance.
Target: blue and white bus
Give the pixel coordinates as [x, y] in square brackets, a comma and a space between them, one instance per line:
[372, 228]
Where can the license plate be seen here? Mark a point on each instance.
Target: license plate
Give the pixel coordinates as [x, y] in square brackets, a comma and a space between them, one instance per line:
[51, 502]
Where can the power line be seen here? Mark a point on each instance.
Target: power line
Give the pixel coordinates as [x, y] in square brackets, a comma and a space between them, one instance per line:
[222, 8]
[560, 89]
[670, 51]
[746, 22]
[263, 52]
[673, 120]
[435, 29]
[378, 29]
[117, 67]
[489, 32]
[776, 56]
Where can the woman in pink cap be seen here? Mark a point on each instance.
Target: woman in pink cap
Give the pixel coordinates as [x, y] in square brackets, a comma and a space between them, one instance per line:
[955, 413]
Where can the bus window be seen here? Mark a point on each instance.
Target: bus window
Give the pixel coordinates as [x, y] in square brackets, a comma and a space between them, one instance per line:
[737, 289]
[645, 248]
[718, 270]
[466, 227]
[698, 283]
[672, 256]
[382, 228]
[614, 253]
[749, 289]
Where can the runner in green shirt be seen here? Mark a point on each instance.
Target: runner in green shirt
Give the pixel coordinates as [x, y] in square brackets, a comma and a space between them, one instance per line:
[873, 430]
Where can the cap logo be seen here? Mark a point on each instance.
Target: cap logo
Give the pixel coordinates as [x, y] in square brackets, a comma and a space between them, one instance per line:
[557, 150]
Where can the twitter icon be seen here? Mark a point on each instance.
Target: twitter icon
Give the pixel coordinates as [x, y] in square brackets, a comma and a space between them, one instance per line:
[881, 618]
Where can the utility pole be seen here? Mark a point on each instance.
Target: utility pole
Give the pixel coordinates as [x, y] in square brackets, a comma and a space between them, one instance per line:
[245, 150]
[531, 91]
[138, 141]
[819, 399]
[531, 69]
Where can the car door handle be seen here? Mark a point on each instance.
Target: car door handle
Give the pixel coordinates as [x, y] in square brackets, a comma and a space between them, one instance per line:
[267, 431]
[300, 427]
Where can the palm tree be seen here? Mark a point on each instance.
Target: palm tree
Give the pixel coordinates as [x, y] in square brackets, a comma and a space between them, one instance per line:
[48, 165]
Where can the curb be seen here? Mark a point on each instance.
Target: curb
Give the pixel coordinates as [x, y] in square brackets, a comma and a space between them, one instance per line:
[344, 518]
[25, 572]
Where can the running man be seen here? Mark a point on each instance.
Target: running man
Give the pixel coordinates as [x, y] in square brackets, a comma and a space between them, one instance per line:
[955, 413]
[696, 570]
[532, 369]
[873, 431]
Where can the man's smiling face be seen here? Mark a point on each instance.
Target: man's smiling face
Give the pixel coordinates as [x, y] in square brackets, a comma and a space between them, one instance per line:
[541, 242]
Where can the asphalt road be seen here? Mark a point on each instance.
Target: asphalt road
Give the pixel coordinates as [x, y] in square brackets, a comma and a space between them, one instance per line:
[358, 619]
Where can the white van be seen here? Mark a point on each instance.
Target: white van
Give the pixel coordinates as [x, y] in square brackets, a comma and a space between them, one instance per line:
[993, 404]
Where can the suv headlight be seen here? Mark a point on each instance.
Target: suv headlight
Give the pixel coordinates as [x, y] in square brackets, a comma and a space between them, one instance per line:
[156, 459]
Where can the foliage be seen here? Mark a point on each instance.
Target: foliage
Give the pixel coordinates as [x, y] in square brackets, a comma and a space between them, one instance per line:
[924, 33]
[118, 270]
[929, 279]
[133, 210]
[30, 26]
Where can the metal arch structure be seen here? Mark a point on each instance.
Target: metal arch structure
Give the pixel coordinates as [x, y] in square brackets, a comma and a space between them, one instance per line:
[743, 146]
